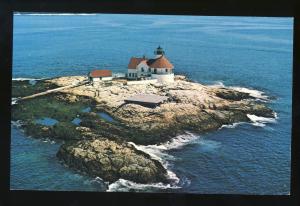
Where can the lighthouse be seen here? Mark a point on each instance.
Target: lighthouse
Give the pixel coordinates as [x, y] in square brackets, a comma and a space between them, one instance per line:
[159, 67]
[159, 52]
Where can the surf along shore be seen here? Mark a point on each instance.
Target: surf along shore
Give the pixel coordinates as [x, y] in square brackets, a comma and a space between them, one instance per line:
[100, 132]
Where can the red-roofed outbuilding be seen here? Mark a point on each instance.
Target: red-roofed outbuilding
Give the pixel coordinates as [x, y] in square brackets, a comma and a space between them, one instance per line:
[100, 75]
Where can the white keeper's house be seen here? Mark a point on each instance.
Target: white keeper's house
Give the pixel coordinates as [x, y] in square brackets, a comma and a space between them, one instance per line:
[158, 68]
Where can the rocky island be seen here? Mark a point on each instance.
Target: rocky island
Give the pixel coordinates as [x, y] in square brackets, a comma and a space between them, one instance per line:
[96, 125]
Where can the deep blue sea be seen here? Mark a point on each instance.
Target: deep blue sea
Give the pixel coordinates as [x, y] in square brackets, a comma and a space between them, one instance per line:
[250, 52]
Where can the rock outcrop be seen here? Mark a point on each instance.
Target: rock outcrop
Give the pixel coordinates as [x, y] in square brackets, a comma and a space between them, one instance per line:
[111, 161]
[230, 94]
[99, 147]
[189, 104]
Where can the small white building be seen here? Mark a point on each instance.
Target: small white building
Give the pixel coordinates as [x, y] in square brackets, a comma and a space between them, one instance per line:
[100, 75]
[158, 68]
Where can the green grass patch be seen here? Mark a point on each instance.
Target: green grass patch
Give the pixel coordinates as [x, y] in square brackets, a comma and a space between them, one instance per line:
[24, 88]
[54, 106]
[65, 131]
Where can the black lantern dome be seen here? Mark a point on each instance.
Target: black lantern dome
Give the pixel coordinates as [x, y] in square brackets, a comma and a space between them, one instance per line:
[159, 51]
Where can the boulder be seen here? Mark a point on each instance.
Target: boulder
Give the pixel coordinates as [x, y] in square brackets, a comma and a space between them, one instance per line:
[111, 161]
[230, 94]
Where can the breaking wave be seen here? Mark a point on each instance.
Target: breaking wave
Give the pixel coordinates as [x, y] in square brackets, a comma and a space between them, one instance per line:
[259, 95]
[48, 140]
[99, 182]
[14, 100]
[16, 124]
[127, 185]
[234, 125]
[255, 121]
[218, 84]
[175, 143]
[261, 121]
[252, 92]
[157, 152]
[26, 79]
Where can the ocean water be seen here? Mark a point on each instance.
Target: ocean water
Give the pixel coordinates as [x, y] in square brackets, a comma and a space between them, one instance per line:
[240, 52]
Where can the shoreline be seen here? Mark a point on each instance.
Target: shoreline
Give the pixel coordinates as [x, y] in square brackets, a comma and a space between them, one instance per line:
[192, 107]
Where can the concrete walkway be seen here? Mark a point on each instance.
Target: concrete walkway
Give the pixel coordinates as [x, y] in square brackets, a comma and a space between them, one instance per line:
[53, 90]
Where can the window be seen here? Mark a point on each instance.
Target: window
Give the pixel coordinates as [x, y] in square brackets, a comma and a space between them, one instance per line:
[142, 69]
[166, 70]
[149, 69]
[155, 71]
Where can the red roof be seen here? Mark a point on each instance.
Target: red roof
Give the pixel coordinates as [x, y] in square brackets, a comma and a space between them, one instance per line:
[134, 62]
[161, 62]
[100, 73]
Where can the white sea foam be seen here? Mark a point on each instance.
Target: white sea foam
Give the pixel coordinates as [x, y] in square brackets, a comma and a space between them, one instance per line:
[99, 181]
[17, 123]
[26, 79]
[14, 100]
[234, 125]
[218, 84]
[255, 118]
[126, 185]
[275, 115]
[252, 92]
[175, 143]
[48, 140]
[261, 121]
[158, 152]
[256, 121]
[259, 95]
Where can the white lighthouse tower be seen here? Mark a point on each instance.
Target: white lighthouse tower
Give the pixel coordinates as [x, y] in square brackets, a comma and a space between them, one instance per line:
[161, 68]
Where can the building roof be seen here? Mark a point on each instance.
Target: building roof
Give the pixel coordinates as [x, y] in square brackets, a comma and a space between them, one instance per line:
[161, 62]
[146, 99]
[134, 61]
[100, 73]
